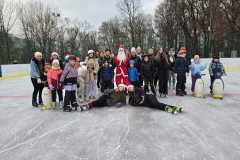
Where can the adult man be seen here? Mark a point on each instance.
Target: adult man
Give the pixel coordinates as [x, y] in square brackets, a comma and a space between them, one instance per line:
[121, 62]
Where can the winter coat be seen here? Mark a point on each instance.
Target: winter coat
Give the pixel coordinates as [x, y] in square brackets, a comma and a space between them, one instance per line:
[82, 72]
[147, 70]
[92, 69]
[197, 68]
[133, 74]
[53, 77]
[37, 69]
[69, 75]
[109, 60]
[137, 61]
[161, 67]
[216, 69]
[181, 65]
[107, 74]
[116, 97]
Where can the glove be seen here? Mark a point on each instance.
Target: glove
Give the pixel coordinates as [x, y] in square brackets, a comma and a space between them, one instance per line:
[39, 81]
[78, 86]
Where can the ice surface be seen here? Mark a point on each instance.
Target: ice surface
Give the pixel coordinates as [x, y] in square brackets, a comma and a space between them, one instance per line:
[208, 129]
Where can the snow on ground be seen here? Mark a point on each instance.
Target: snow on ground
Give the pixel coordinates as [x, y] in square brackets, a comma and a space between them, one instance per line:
[208, 129]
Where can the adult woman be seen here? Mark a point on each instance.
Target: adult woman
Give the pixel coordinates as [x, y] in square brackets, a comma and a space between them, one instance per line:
[162, 67]
[37, 77]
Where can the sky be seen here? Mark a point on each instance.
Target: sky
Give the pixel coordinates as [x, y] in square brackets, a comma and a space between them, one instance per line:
[93, 11]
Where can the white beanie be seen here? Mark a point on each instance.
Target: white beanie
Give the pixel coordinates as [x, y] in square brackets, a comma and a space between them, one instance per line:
[55, 54]
[91, 51]
[55, 61]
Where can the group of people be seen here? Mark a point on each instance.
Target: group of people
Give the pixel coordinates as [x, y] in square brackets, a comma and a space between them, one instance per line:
[135, 75]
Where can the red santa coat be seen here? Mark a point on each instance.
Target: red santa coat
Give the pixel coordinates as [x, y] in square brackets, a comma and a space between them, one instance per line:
[121, 71]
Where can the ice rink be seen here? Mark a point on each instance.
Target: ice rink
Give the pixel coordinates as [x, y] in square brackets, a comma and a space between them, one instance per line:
[208, 129]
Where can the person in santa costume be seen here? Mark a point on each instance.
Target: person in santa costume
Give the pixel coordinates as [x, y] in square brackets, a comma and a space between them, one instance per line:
[121, 62]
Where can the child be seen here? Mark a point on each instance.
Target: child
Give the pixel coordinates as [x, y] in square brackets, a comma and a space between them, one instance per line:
[133, 74]
[106, 77]
[147, 72]
[196, 68]
[69, 79]
[53, 77]
[82, 74]
[216, 70]
[181, 68]
[92, 70]
[172, 77]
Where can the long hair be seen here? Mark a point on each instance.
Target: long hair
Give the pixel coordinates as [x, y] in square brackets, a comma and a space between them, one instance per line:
[162, 56]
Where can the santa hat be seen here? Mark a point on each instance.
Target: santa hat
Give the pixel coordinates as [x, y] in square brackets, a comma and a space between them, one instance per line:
[55, 54]
[182, 51]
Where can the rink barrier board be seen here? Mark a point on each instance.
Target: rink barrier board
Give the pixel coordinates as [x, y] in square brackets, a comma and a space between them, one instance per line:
[17, 75]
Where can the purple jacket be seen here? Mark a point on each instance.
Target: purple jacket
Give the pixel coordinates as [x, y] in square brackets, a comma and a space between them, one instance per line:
[69, 75]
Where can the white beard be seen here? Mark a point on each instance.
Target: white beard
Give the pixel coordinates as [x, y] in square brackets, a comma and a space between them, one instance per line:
[121, 56]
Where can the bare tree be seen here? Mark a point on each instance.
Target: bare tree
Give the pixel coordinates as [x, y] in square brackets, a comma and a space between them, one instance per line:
[129, 10]
[40, 26]
[8, 18]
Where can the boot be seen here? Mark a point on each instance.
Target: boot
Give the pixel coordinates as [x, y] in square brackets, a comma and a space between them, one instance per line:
[34, 103]
[53, 105]
[61, 104]
[67, 108]
[75, 105]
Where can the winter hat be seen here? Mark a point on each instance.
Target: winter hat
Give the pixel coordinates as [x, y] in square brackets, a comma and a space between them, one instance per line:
[182, 51]
[216, 56]
[37, 54]
[150, 51]
[55, 63]
[131, 62]
[91, 51]
[55, 54]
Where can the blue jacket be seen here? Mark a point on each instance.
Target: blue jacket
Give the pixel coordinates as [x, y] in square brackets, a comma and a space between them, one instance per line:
[106, 74]
[37, 69]
[133, 74]
[197, 68]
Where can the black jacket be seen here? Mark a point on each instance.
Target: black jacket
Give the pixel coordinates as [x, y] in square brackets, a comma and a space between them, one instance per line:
[161, 66]
[181, 65]
[147, 70]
